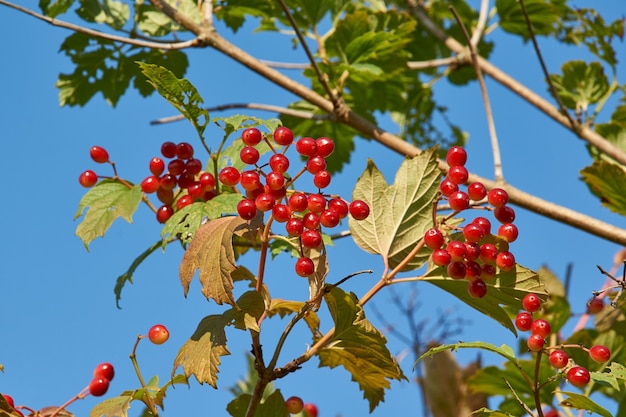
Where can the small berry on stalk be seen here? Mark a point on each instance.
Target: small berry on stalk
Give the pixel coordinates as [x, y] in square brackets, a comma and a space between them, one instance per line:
[595, 305]
[600, 353]
[176, 166]
[168, 149]
[168, 182]
[505, 261]
[310, 410]
[315, 164]
[456, 156]
[459, 201]
[229, 176]
[283, 136]
[497, 197]
[476, 191]
[456, 270]
[523, 321]
[322, 179]
[306, 146]
[281, 213]
[504, 214]
[325, 146]
[558, 359]
[535, 342]
[150, 184]
[193, 166]
[509, 232]
[447, 187]
[316, 203]
[251, 136]
[294, 227]
[184, 201]
[329, 218]
[298, 202]
[157, 166]
[359, 210]
[488, 253]
[305, 267]
[457, 250]
[340, 206]
[477, 288]
[311, 238]
[246, 209]
[184, 150]
[104, 370]
[279, 163]
[294, 405]
[541, 327]
[158, 334]
[578, 376]
[441, 257]
[9, 400]
[164, 213]
[531, 302]
[473, 232]
[265, 202]
[98, 386]
[458, 174]
[275, 180]
[484, 223]
[433, 238]
[88, 179]
[99, 154]
[249, 155]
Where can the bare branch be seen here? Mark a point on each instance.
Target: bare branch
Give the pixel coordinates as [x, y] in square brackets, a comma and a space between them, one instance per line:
[434, 63]
[286, 65]
[482, 22]
[101, 35]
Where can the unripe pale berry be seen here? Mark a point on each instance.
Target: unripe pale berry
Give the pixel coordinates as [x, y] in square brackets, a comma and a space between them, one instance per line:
[158, 334]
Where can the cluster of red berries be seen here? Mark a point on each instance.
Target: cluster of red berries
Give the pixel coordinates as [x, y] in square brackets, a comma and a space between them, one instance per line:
[11, 402]
[99, 155]
[304, 214]
[539, 331]
[102, 376]
[295, 405]
[474, 255]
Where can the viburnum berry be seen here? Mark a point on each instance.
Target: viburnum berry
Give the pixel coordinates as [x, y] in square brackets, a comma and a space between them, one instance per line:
[311, 220]
[150, 184]
[599, 353]
[558, 358]
[458, 174]
[185, 180]
[176, 166]
[523, 321]
[305, 267]
[310, 410]
[281, 213]
[340, 206]
[294, 405]
[279, 163]
[476, 191]
[456, 156]
[88, 178]
[484, 223]
[9, 400]
[541, 327]
[193, 166]
[508, 231]
[246, 209]
[578, 376]
[531, 302]
[551, 413]
[457, 250]
[157, 166]
[99, 154]
[447, 187]
[488, 253]
[456, 270]
[168, 182]
[487, 272]
[275, 180]
[322, 179]
[265, 202]
[98, 386]
[433, 238]
[473, 232]
[104, 370]
[315, 164]
[158, 334]
[441, 257]
[250, 180]
[283, 136]
[325, 146]
[311, 238]
[497, 197]
[459, 201]
[306, 146]
[168, 149]
[329, 218]
[184, 201]
[229, 176]
[251, 136]
[477, 288]
[164, 213]
[316, 203]
[535, 342]
[298, 202]
[595, 305]
[184, 150]
[294, 227]
[249, 155]
[504, 214]
[359, 210]
[472, 271]
[505, 261]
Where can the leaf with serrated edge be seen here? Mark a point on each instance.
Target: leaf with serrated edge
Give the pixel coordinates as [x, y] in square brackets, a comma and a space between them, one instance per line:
[606, 180]
[112, 407]
[160, 395]
[359, 347]
[105, 203]
[250, 308]
[399, 213]
[211, 251]
[502, 350]
[200, 355]
[285, 307]
[507, 288]
[582, 402]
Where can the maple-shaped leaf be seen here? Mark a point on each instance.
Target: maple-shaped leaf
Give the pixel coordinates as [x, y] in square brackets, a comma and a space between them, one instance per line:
[112, 407]
[400, 213]
[105, 203]
[359, 347]
[200, 355]
[286, 307]
[211, 251]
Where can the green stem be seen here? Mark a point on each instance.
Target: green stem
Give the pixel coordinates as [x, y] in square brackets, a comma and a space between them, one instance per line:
[146, 400]
[536, 387]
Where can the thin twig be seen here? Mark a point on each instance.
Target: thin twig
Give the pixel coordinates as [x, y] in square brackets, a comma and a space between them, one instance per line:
[101, 35]
[482, 22]
[544, 68]
[286, 65]
[495, 147]
[434, 63]
[524, 406]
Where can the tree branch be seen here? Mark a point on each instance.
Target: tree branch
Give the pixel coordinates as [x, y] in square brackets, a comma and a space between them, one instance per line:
[482, 22]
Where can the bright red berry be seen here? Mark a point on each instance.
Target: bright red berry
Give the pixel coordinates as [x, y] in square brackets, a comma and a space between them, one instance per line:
[158, 334]
[315, 164]
[456, 156]
[184, 150]
[456, 270]
[541, 327]
[535, 342]
[246, 209]
[157, 166]
[98, 386]
[150, 184]
[359, 210]
[168, 182]
[279, 163]
[294, 405]
[186, 180]
[504, 214]
[457, 250]
[88, 178]
[600, 353]
[193, 166]
[164, 213]
[325, 146]
[294, 227]
[305, 267]
[523, 321]
[104, 370]
[595, 305]
[473, 232]
[316, 203]
[229, 176]
[329, 218]
[275, 180]
[459, 201]
[9, 400]
[310, 410]
[578, 376]
[472, 251]
[283, 136]
[433, 238]
[340, 206]
[484, 223]
[458, 174]
[477, 288]
[508, 231]
[497, 197]
[298, 202]
[441, 257]
[558, 358]
[311, 220]
[488, 253]
[250, 180]
[251, 136]
[505, 261]
[476, 191]
[487, 272]
[531, 302]
[447, 187]
[281, 213]
[306, 146]
[551, 413]
[265, 202]
[176, 167]
[168, 149]
[322, 179]
[311, 238]
[249, 155]
[99, 154]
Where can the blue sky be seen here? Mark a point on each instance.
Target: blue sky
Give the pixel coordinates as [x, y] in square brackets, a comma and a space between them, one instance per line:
[58, 314]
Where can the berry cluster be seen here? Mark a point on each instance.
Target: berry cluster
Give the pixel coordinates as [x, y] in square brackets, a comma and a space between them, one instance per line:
[304, 214]
[102, 376]
[295, 405]
[539, 331]
[99, 155]
[11, 402]
[475, 254]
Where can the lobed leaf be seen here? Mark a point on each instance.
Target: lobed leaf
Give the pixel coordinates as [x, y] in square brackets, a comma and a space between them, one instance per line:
[106, 202]
[272, 406]
[285, 307]
[359, 347]
[582, 402]
[544, 16]
[113, 13]
[55, 8]
[400, 213]
[112, 407]
[606, 180]
[581, 84]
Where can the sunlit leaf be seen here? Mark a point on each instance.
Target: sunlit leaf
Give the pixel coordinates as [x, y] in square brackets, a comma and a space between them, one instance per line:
[286, 307]
[544, 16]
[106, 202]
[485, 412]
[114, 13]
[55, 8]
[581, 84]
[112, 407]
[608, 182]
[583, 402]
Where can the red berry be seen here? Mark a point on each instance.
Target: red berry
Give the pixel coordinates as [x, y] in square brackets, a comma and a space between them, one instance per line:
[184, 201]
[168, 182]
[275, 180]
[88, 178]
[164, 213]
[246, 209]
[306, 146]
[472, 251]
[551, 413]
[281, 213]
[487, 272]
[104, 370]
[279, 163]
[165, 196]
[310, 410]
[458, 174]
[322, 179]
[488, 253]
[433, 238]
[508, 231]
[305, 267]
[315, 164]
[251, 136]
[99, 154]
[193, 166]
[157, 166]
[484, 223]
[459, 201]
[473, 232]
[316, 203]
[311, 238]
[578, 376]
[294, 405]
[447, 187]
[340, 206]
[359, 210]
[249, 155]
[265, 202]
[294, 227]
[229, 176]
[505, 261]
[176, 166]
[158, 334]
[150, 185]
[325, 146]
[476, 191]
[535, 342]
[595, 305]
[497, 197]
[298, 202]
[523, 321]
[531, 302]
[98, 386]
[600, 353]
[457, 250]
[456, 156]
[283, 136]
[441, 257]
[558, 359]
[168, 149]
[541, 327]
[186, 180]
[456, 270]
[311, 220]
[250, 180]
[472, 270]
[184, 150]
[329, 218]
[477, 288]
[9, 400]
[504, 214]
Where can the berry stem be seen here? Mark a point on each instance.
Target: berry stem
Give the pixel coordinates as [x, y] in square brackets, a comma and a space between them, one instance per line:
[79, 396]
[147, 400]
[536, 387]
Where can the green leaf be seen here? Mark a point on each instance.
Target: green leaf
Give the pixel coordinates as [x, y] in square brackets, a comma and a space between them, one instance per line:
[105, 202]
[200, 355]
[128, 275]
[359, 347]
[485, 412]
[507, 288]
[180, 93]
[544, 16]
[249, 309]
[272, 406]
[581, 84]
[112, 407]
[607, 181]
[502, 350]
[399, 213]
[285, 307]
[110, 12]
[56, 8]
[582, 402]
[153, 22]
